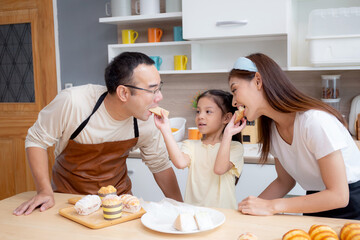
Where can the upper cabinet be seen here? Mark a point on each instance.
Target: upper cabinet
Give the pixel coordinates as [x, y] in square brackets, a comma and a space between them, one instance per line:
[217, 32]
[234, 18]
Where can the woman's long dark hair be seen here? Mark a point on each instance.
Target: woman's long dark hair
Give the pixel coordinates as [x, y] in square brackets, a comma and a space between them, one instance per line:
[281, 94]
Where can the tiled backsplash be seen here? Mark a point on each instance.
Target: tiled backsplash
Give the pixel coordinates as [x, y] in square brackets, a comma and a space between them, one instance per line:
[179, 90]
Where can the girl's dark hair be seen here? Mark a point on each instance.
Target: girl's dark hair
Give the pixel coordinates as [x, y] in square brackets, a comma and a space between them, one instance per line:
[121, 69]
[281, 94]
[222, 99]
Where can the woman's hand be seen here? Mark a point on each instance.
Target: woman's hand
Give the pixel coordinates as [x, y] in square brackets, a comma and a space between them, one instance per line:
[256, 206]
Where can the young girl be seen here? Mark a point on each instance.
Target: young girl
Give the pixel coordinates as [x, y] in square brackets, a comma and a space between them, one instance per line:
[308, 139]
[215, 160]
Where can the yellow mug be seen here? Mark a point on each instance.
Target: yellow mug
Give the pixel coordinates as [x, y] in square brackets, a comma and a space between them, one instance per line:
[194, 133]
[129, 36]
[180, 62]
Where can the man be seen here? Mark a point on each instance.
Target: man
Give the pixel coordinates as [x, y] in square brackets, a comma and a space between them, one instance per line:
[94, 128]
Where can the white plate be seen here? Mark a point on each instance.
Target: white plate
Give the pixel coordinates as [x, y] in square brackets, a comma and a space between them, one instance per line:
[164, 223]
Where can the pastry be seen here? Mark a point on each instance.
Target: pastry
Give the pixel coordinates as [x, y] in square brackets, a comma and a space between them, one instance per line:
[131, 203]
[350, 231]
[296, 234]
[203, 220]
[185, 222]
[104, 191]
[239, 114]
[88, 204]
[318, 232]
[247, 236]
[112, 207]
[157, 111]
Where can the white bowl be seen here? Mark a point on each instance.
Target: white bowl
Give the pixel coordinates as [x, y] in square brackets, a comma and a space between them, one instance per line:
[179, 123]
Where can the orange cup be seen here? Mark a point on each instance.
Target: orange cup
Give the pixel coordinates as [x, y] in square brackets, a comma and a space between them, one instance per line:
[194, 133]
[154, 34]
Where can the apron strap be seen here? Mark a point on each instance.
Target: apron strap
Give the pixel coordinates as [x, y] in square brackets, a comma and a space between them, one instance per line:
[83, 124]
[136, 129]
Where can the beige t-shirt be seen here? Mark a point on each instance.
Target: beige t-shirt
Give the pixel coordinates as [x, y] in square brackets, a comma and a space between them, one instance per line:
[204, 187]
[58, 120]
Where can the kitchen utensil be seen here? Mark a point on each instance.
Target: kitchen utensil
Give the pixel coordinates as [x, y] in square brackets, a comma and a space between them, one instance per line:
[251, 133]
[178, 123]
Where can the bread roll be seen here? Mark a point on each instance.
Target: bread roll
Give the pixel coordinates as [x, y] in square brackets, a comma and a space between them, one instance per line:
[296, 234]
[131, 203]
[157, 111]
[247, 236]
[88, 204]
[239, 115]
[350, 231]
[318, 232]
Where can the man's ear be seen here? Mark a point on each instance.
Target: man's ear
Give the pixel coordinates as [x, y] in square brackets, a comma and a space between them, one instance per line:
[227, 117]
[123, 93]
[258, 80]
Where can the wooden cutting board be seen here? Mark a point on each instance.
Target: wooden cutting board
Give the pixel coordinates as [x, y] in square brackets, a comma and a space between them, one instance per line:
[96, 220]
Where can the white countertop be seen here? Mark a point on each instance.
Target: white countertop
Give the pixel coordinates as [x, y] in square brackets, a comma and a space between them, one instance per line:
[251, 154]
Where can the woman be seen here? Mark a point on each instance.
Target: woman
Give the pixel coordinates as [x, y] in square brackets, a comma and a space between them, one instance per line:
[308, 139]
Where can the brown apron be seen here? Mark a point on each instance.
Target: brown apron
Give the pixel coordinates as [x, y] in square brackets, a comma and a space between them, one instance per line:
[85, 168]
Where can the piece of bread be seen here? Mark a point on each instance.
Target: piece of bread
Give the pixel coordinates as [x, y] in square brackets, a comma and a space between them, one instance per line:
[185, 222]
[131, 203]
[104, 191]
[88, 204]
[247, 236]
[318, 232]
[239, 114]
[203, 220]
[296, 234]
[112, 207]
[350, 231]
[157, 111]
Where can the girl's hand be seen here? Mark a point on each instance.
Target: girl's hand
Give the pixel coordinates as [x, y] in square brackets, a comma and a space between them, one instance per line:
[256, 206]
[233, 129]
[162, 122]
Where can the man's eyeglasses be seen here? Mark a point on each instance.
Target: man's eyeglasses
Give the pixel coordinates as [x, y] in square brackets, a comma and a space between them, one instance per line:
[155, 91]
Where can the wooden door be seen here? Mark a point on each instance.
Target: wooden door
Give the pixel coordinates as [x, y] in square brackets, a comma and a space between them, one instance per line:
[27, 83]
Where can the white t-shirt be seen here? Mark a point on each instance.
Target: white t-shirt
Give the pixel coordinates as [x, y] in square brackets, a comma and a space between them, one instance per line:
[316, 134]
[203, 186]
[58, 120]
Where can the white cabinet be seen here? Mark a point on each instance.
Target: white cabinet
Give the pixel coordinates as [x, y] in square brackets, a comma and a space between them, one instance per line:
[143, 182]
[222, 31]
[234, 18]
[253, 180]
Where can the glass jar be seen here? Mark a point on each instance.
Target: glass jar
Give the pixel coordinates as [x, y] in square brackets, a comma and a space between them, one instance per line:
[330, 86]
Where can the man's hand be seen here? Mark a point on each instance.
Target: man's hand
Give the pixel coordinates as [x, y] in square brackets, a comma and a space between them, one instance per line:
[42, 200]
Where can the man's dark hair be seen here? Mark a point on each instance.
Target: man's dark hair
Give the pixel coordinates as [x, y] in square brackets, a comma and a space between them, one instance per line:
[121, 68]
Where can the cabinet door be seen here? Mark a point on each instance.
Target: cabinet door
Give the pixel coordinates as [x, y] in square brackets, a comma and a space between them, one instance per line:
[143, 183]
[231, 18]
[255, 178]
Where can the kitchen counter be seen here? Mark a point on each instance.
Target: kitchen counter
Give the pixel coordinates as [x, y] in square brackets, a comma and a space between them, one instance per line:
[251, 154]
[50, 225]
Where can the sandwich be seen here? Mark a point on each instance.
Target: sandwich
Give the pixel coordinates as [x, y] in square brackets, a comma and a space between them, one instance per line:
[157, 111]
[239, 114]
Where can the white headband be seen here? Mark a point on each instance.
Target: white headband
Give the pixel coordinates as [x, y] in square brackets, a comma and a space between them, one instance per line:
[243, 63]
